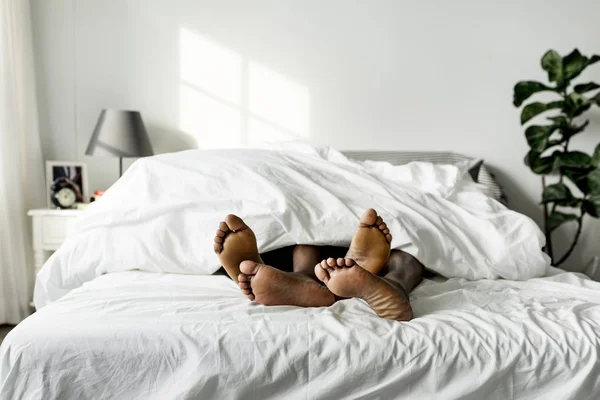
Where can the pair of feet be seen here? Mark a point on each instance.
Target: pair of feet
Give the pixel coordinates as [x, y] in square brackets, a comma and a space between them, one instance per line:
[355, 275]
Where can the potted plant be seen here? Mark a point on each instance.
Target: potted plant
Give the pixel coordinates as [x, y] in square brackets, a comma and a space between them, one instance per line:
[576, 192]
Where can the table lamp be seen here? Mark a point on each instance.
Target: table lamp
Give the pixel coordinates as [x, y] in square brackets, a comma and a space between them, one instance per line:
[120, 133]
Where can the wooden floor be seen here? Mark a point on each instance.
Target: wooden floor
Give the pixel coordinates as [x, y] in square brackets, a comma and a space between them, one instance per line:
[4, 329]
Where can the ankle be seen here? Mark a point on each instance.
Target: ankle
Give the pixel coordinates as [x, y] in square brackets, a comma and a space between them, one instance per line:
[329, 298]
[308, 274]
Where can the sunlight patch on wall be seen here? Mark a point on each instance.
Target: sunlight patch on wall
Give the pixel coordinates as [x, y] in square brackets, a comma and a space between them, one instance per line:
[278, 100]
[212, 123]
[210, 67]
[226, 100]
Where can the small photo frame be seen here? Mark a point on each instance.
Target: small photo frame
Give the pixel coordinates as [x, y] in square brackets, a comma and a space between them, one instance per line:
[75, 172]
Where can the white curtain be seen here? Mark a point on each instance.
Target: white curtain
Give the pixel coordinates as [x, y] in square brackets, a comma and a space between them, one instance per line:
[21, 165]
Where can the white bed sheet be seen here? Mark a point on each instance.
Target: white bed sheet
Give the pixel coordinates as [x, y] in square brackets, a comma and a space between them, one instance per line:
[140, 335]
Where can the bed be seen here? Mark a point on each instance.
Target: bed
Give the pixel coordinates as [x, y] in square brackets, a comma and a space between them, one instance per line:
[148, 323]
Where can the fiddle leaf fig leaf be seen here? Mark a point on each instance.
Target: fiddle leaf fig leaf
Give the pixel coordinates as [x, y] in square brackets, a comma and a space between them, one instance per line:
[582, 109]
[592, 206]
[593, 182]
[575, 104]
[578, 176]
[552, 63]
[552, 143]
[564, 69]
[596, 157]
[530, 157]
[557, 218]
[523, 90]
[533, 109]
[558, 193]
[586, 87]
[559, 120]
[574, 159]
[569, 131]
[573, 64]
[537, 136]
[596, 99]
[539, 165]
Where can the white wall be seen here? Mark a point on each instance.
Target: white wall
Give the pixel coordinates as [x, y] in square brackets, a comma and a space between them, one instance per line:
[384, 74]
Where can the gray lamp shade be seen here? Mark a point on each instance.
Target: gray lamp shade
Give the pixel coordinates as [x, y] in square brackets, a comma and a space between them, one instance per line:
[120, 133]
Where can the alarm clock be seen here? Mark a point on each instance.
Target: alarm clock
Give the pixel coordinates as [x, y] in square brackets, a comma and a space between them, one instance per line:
[63, 193]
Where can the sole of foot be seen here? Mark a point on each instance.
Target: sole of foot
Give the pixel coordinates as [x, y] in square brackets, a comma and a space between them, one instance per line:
[345, 278]
[271, 287]
[235, 242]
[371, 242]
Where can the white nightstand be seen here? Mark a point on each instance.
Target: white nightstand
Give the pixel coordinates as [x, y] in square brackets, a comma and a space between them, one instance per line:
[50, 228]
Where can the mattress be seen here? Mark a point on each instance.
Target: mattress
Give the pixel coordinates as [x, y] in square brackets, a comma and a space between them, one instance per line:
[142, 335]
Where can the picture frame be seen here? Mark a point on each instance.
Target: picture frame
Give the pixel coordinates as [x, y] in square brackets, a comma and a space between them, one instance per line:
[75, 171]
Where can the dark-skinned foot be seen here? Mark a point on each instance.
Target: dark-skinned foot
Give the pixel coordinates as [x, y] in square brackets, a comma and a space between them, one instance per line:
[272, 287]
[235, 242]
[345, 278]
[370, 246]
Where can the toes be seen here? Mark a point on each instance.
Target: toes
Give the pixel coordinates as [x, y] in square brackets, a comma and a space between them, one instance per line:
[345, 262]
[244, 285]
[388, 237]
[385, 231]
[220, 233]
[250, 267]
[382, 226]
[378, 221]
[321, 272]
[235, 223]
[223, 228]
[369, 217]
[218, 247]
[326, 266]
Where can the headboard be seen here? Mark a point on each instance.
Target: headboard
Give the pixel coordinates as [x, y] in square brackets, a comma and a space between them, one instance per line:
[485, 177]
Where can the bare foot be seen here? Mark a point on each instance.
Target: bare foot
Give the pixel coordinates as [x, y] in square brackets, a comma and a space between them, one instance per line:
[234, 243]
[370, 245]
[345, 278]
[272, 287]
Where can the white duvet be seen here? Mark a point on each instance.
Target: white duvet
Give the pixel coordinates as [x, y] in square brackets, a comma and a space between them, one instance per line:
[139, 335]
[162, 214]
